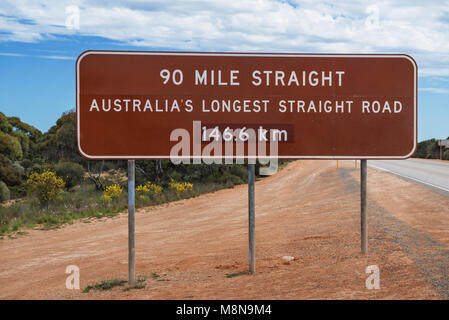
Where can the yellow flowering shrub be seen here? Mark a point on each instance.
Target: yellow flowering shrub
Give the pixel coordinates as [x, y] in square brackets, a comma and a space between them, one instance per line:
[181, 187]
[46, 186]
[112, 192]
[147, 189]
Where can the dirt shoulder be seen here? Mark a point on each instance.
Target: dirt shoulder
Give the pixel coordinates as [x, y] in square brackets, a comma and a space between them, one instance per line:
[309, 210]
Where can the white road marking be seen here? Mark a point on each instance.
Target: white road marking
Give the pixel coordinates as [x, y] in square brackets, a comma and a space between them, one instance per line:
[407, 177]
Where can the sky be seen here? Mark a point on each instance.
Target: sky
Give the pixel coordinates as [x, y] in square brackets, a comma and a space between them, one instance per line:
[40, 41]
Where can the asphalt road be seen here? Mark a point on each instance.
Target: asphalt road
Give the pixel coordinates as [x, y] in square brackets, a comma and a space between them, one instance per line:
[434, 174]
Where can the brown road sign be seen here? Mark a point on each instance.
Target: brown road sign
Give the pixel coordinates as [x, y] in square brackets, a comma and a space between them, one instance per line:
[339, 106]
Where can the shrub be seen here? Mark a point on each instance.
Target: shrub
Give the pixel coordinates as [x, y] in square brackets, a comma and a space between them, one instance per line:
[10, 173]
[45, 186]
[4, 192]
[36, 168]
[26, 164]
[71, 172]
[111, 193]
[239, 171]
[428, 149]
[108, 166]
[229, 179]
[181, 187]
[148, 189]
[18, 191]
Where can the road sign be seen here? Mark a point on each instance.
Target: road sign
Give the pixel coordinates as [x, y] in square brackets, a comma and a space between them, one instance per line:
[443, 143]
[339, 106]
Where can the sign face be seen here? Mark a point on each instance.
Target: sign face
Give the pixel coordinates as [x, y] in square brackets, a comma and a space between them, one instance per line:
[140, 105]
[443, 143]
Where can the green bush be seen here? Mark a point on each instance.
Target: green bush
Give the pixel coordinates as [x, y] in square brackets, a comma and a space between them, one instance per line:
[36, 168]
[230, 179]
[4, 192]
[9, 173]
[240, 171]
[71, 172]
[10, 146]
[26, 164]
[18, 191]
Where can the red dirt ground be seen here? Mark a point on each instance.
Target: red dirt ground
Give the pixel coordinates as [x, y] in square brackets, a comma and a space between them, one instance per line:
[310, 210]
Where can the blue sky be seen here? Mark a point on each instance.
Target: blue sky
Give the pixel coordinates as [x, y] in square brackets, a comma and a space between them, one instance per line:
[40, 41]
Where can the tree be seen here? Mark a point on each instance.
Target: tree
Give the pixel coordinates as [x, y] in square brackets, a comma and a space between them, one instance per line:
[427, 149]
[59, 143]
[25, 128]
[15, 133]
[24, 141]
[153, 170]
[71, 172]
[17, 142]
[432, 149]
[5, 126]
[10, 146]
[96, 179]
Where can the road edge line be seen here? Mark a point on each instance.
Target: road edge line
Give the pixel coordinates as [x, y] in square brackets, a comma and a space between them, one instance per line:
[407, 177]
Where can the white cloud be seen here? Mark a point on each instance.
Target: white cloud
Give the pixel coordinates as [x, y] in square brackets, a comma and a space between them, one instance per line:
[57, 57]
[11, 54]
[54, 57]
[419, 28]
[435, 90]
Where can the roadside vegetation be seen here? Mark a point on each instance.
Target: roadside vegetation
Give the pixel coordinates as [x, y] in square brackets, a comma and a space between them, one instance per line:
[429, 149]
[236, 274]
[105, 285]
[44, 182]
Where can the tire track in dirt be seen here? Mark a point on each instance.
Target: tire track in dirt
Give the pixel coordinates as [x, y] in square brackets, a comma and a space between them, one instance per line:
[429, 255]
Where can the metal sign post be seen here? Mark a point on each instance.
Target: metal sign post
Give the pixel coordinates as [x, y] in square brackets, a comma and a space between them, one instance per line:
[364, 223]
[131, 210]
[251, 218]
